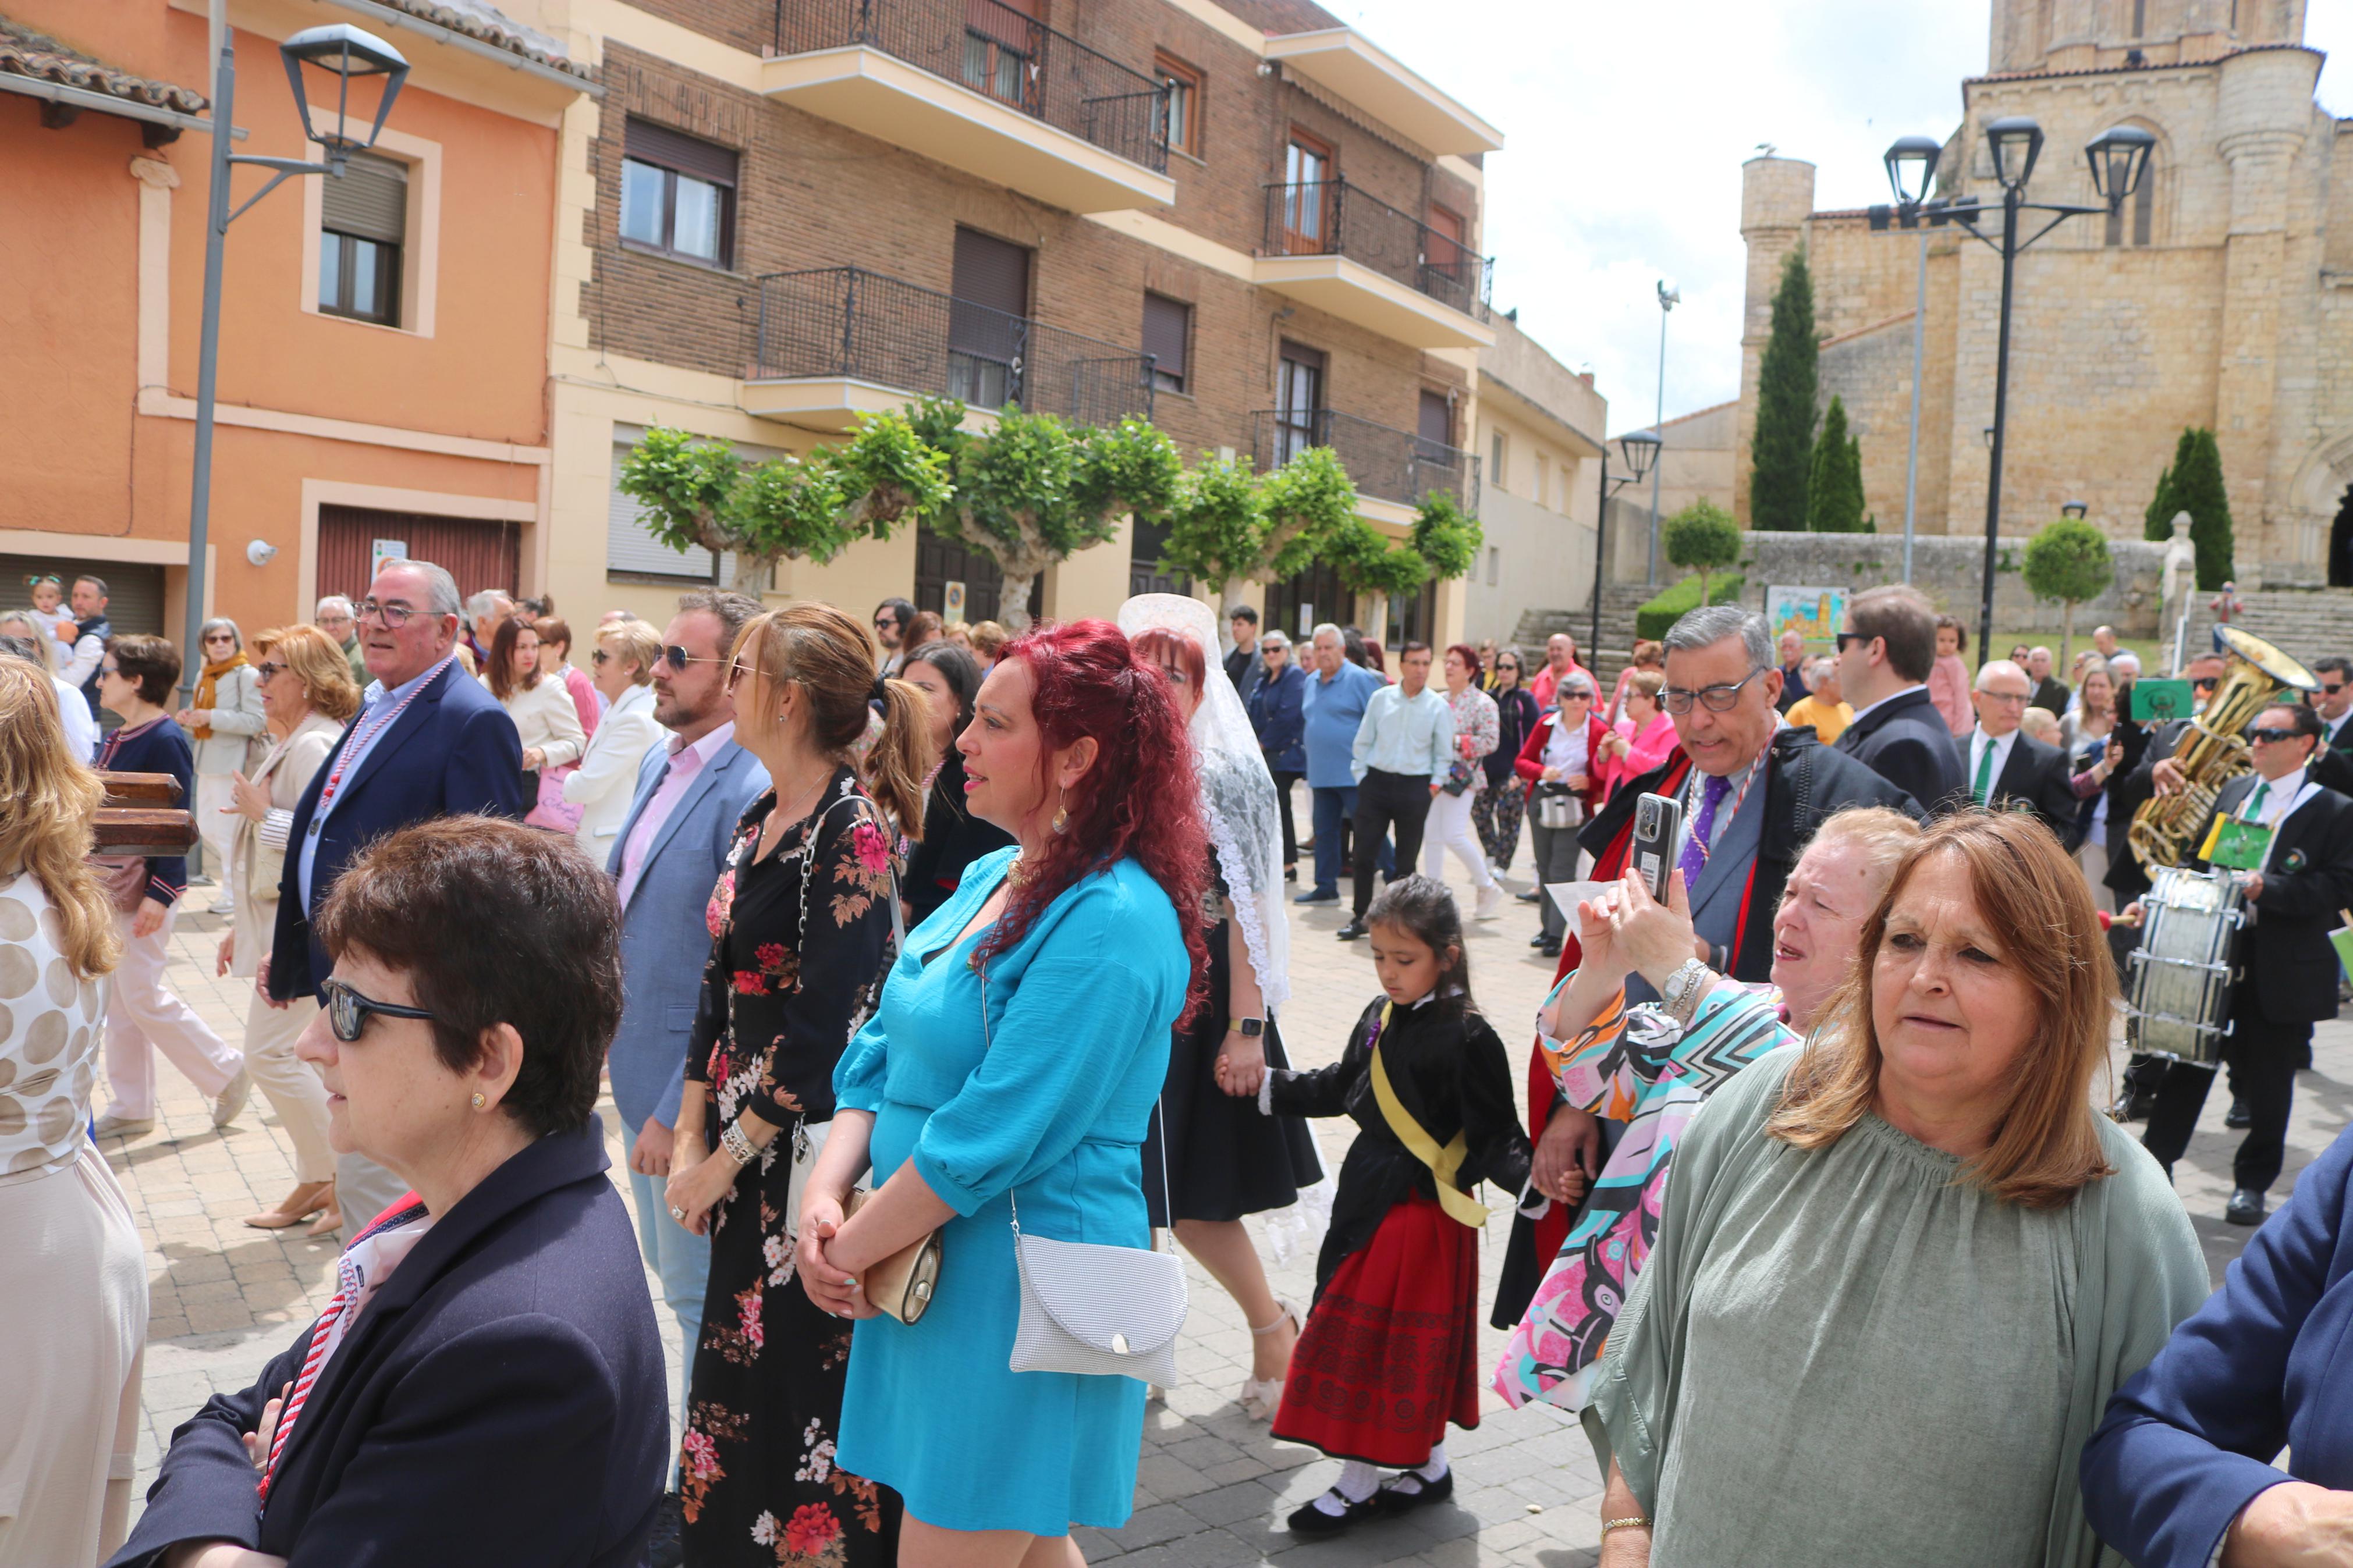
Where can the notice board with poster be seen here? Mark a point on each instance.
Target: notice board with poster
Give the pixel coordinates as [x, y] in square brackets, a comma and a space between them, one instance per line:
[1814, 614]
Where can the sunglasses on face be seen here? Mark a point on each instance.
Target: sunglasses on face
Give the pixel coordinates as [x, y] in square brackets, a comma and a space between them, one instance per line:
[219, 637]
[1846, 638]
[347, 1010]
[110, 669]
[2204, 683]
[600, 657]
[2332, 690]
[267, 671]
[678, 658]
[2273, 734]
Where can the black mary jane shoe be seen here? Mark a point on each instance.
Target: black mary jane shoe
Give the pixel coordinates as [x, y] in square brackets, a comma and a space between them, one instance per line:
[1309, 1519]
[1404, 1493]
[2246, 1207]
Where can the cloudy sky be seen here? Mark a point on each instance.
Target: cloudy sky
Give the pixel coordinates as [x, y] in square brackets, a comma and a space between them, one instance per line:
[1626, 126]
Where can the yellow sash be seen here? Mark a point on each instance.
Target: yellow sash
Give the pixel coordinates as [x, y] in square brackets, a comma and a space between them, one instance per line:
[1442, 1162]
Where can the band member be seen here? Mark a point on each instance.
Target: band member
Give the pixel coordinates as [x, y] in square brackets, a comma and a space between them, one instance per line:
[2289, 842]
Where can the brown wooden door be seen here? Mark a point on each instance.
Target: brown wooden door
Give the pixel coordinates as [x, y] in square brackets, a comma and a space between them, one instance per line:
[478, 553]
[1446, 254]
[1307, 204]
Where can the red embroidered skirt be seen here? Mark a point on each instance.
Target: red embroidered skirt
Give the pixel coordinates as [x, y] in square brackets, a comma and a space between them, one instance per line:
[1386, 1357]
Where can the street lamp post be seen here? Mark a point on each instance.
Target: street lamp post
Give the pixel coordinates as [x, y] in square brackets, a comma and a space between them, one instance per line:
[349, 52]
[1911, 166]
[2119, 158]
[1641, 451]
[1669, 298]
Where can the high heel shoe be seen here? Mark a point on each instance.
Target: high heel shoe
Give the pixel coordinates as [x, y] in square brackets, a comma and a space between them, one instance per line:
[310, 1198]
[329, 1221]
[1261, 1395]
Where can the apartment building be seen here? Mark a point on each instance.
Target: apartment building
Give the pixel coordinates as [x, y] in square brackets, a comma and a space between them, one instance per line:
[1237, 218]
[381, 367]
[1540, 429]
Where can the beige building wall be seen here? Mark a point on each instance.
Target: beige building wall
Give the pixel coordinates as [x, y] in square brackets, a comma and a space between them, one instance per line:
[1539, 427]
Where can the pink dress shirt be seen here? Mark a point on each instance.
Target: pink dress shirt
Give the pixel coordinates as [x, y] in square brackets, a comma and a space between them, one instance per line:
[1948, 688]
[685, 762]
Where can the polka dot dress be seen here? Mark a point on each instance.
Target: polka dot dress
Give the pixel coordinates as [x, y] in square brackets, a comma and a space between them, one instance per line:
[50, 1034]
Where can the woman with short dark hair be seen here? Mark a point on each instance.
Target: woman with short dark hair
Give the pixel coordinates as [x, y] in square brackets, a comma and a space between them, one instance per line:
[953, 837]
[486, 1386]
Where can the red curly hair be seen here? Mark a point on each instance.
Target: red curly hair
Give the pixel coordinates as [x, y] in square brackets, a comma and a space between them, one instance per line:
[1138, 800]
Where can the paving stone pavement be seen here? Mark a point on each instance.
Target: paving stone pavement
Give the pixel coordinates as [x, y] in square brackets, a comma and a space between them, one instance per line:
[1213, 1488]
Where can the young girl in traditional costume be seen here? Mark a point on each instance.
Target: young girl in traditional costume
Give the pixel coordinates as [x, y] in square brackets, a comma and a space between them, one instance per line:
[1387, 1358]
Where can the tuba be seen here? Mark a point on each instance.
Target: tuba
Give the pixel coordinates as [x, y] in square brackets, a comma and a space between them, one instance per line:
[2210, 752]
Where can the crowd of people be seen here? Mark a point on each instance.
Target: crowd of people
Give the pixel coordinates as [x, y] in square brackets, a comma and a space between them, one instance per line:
[884, 932]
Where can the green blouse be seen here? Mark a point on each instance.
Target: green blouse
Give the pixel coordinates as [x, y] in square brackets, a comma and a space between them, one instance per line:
[1850, 1356]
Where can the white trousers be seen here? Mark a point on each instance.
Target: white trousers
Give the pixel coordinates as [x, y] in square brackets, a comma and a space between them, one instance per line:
[291, 1083]
[216, 828]
[141, 1012]
[1449, 826]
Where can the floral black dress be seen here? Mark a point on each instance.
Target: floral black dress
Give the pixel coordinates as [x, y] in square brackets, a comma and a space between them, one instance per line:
[800, 943]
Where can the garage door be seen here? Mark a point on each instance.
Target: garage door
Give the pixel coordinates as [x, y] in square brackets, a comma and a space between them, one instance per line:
[480, 552]
[134, 593]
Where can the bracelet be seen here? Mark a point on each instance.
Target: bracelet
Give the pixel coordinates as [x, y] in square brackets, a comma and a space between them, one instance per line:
[1681, 992]
[1636, 1522]
[739, 1148]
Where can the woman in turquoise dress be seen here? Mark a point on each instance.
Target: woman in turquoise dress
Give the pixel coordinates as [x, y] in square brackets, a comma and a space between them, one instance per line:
[1021, 1042]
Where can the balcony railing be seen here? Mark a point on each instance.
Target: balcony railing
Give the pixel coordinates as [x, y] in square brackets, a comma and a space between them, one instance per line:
[1001, 54]
[847, 323]
[1332, 217]
[1383, 462]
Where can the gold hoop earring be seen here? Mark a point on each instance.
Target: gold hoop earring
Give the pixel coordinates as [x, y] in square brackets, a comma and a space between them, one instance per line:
[479, 1100]
[1062, 811]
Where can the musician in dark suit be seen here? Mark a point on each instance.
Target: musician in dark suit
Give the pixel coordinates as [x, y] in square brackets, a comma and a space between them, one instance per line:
[2010, 770]
[1884, 655]
[2334, 701]
[2288, 970]
[486, 1386]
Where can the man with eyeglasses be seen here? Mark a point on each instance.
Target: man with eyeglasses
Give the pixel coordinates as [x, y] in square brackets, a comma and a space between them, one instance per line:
[1753, 792]
[2008, 769]
[891, 618]
[428, 741]
[2295, 855]
[2336, 703]
[333, 616]
[1885, 654]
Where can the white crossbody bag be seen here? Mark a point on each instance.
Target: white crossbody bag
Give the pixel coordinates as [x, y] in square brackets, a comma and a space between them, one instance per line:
[1097, 1310]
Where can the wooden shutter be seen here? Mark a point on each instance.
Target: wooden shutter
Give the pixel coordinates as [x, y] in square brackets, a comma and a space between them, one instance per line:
[1166, 327]
[992, 273]
[652, 143]
[134, 593]
[1437, 420]
[370, 201]
[480, 552]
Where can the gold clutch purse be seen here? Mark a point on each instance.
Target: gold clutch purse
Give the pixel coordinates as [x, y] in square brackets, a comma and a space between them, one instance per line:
[903, 1284]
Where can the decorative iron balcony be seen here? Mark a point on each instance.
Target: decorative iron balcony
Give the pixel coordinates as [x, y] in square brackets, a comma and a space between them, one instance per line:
[846, 322]
[1383, 462]
[1333, 217]
[1002, 54]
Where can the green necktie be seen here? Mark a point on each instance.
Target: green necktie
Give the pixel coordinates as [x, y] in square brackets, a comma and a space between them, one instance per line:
[2255, 800]
[1984, 786]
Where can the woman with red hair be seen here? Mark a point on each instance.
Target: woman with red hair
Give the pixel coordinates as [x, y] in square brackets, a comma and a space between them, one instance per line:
[1021, 1041]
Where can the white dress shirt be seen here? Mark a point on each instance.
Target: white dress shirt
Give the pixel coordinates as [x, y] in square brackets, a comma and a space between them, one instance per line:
[1978, 742]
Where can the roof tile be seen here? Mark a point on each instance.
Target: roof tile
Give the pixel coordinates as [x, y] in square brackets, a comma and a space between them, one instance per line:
[24, 52]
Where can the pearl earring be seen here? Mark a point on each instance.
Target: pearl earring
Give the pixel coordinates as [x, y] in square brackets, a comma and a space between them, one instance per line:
[479, 1100]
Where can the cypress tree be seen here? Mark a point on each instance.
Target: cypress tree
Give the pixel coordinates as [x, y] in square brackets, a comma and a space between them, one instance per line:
[2197, 489]
[1834, 489]
[1782, 445]
[2157, 523]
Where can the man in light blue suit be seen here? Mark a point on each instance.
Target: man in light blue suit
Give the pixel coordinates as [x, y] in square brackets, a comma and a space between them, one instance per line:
[671, 848]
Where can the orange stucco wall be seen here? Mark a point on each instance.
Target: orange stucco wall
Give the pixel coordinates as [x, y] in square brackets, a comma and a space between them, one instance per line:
[69, 385]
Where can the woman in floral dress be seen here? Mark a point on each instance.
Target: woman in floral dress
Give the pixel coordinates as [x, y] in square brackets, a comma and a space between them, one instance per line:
[801, 939]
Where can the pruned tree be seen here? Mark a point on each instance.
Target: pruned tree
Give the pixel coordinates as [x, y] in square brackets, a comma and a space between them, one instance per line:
[2199, 489]
[1228, 524]
[698, 494]
[1446, 536]
[1834, 490]
[2068, 560]
[1781, 447]
[1702, 538]
[1368, 563]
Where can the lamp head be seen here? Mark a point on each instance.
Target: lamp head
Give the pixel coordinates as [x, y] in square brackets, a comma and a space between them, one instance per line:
[2016, 141]
[2119, 157]
[2075, 509]
[1911, 167]
[1669, 295]
[347, 52]
[1641, 449]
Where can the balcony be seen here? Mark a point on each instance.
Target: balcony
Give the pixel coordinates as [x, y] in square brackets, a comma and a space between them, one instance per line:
[1345, 62]
[980, 86]
[841, 342]
[1351, 255]
[1393, 470]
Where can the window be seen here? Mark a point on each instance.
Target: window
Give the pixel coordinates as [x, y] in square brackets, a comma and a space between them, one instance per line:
[2144, 208]
[1543, 492]
[1444, 252]
[1494, 566]
[678, 194]
[1298, 401]
[1167, 324]
[1497, 450]
[1306, 198]
[1184, 85]
[1002, 41]
[363, 223]
[988, 327]
[630, 547]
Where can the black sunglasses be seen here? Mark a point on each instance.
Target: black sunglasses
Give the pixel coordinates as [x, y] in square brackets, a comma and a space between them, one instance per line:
[347, 1010]
[2274, 735]
[678, 658]
[2204, 683]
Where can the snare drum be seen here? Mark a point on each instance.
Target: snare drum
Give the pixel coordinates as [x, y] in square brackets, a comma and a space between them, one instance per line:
[2179, 996]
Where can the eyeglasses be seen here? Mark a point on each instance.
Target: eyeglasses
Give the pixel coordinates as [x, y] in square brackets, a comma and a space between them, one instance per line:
[2204, 683]
[394, 616]
[2275, 735]
[1718, 699]
[347, 1010]
[113, 669]
[1846, 638]
[267, 671]
[2331, 691]
[600, 657]
[678, 658]
[2006, 699]
[219, 637]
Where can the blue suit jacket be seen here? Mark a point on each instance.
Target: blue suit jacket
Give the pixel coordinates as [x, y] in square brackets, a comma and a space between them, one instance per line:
[664, 941]
[499, 1401]
[451, 753]
[2260, 1367]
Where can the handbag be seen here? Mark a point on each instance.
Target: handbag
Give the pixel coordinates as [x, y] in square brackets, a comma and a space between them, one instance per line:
[552, 811]
[903, 1284]
[1093, 1310]
[1458, 776]
[1557, 806]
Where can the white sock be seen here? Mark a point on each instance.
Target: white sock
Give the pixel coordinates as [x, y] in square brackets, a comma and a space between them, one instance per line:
[1356, 1483]
[1434, 1467]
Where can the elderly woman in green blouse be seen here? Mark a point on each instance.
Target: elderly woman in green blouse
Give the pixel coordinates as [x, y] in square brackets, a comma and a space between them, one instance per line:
[1900, 1270]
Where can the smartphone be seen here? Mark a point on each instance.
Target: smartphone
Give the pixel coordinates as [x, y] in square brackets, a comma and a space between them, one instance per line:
[1658, 824]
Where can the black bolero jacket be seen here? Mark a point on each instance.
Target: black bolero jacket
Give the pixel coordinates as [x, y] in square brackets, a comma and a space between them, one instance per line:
[953, 839]
[501, 1401]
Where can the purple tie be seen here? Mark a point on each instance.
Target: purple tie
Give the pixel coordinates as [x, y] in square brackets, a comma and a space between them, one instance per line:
[1694, 856]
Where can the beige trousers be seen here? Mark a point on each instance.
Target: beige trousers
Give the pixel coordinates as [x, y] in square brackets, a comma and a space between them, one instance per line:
[291, 1083]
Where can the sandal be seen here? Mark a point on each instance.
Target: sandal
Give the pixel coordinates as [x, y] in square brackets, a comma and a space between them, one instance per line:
[1261, 1395]
[296, 1206]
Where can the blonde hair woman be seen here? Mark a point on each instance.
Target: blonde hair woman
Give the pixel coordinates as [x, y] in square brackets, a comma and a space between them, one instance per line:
[222, 719]
[307, 696]
[73, 1281]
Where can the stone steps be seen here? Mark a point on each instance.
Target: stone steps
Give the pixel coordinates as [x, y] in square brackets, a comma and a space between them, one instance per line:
[2303, 623]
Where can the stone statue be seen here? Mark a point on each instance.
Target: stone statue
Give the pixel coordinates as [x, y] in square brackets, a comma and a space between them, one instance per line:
[2180, 576]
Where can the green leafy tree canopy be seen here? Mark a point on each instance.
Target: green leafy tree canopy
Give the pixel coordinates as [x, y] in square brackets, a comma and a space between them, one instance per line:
[2068, 560]
[1834, 489]
[1702, 538]
[1228, 524]
[1781, 448]
[1446, 536]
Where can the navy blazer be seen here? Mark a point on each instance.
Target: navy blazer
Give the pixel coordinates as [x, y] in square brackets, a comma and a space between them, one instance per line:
[1276, 715]
[1908, 743]
[501, 1400]
[2262, 1366]
[453, 751]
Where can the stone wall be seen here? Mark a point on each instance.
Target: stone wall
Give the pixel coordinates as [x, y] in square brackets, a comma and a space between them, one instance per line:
[1951, 571]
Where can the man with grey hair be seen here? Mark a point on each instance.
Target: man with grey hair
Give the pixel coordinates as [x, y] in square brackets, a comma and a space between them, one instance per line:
[484, 612]
[1330, 711]
[333, 616]
[2008, 768]
[428, 741]
[2051, 693]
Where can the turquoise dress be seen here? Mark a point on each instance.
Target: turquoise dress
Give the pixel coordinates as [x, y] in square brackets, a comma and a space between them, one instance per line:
[1080, 1012]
